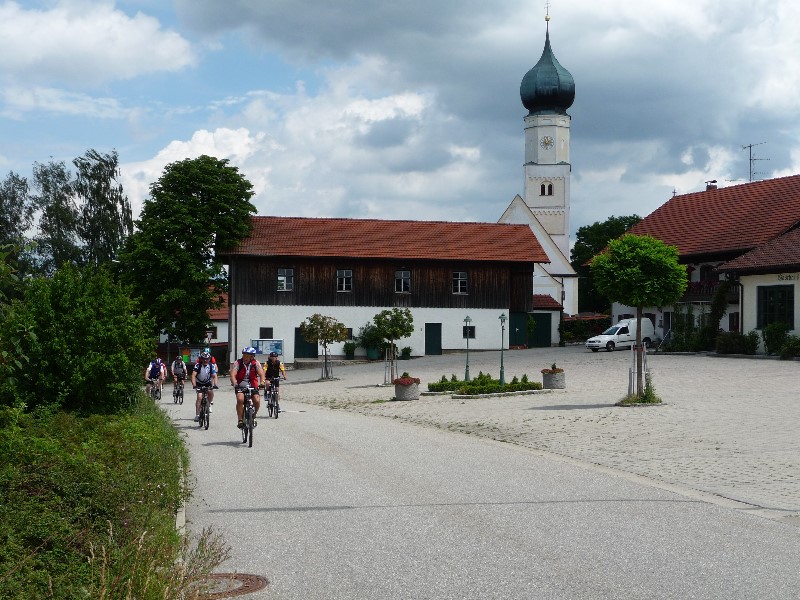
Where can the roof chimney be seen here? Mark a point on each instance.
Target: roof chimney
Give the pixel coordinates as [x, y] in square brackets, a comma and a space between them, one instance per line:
[711, 185]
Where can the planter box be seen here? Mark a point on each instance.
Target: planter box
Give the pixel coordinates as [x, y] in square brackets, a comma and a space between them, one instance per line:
[554, 381]
[406, 392]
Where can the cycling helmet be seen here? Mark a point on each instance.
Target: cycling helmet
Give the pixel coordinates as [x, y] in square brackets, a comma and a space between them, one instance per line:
[275, 354]
[205, 356]
[248, 350]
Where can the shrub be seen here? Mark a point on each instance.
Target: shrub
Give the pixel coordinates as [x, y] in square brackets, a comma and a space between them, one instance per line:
[87, 343]
[483, 384]
[791, 347]
[87, 505]
[774, 336]
[731, 342]
[751, 342]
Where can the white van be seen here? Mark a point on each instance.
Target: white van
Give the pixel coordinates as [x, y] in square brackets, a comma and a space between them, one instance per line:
[622, 335]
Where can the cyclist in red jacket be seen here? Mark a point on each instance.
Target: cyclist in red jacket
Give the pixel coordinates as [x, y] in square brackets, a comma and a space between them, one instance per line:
[247, 371]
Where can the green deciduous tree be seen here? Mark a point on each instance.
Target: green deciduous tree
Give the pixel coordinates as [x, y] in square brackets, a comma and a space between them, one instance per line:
[394, 324]
[16, 218]
[56, 242]
[590, 240]
[197, 208]
[323, 330]
[105, 212]
[639, 271]
[86, 345]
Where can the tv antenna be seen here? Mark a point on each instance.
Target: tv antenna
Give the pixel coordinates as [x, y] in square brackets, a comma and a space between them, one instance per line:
[749, 147]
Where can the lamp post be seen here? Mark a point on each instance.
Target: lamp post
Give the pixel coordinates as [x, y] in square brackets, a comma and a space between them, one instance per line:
[467, 321]
[502, 343]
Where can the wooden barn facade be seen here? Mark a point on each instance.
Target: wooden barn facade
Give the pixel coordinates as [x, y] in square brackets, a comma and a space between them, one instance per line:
[351, 269]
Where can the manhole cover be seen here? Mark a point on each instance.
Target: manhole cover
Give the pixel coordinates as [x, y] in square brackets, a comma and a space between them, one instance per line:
[228, 585]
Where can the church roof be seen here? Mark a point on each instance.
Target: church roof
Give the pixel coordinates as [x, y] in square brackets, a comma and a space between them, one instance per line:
[728, 220]
[548, 87]
[374, 238]
[779, 254]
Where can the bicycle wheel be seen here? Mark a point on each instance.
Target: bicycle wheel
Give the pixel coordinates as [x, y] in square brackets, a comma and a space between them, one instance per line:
[249, 427]
[158, 394]
[244, 433]
[207, 410]
[269, 405]
[180, 395]
[275, 405]
[175, 395]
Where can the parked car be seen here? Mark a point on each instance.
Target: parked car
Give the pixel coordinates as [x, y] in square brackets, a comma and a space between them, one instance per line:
[622, 335]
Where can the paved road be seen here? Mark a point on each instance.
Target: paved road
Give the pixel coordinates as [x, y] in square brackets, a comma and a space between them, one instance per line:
[337, 504]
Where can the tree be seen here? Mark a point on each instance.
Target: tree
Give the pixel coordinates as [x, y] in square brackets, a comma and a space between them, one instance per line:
[639, 271]
[56, 242]
[105, 213]
[394, 324]
[590, 240]
[86, 346]
[16, 217]
[197, 208]
[323, 330]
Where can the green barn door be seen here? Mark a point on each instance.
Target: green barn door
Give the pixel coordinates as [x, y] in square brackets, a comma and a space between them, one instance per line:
[541, 334]
[433, 339]
[302, 348]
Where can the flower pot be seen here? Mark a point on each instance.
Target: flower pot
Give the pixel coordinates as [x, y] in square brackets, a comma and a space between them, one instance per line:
[406, 392]
[554, 381]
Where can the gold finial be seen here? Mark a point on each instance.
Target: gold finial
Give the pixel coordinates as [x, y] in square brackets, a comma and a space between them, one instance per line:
[547, 10]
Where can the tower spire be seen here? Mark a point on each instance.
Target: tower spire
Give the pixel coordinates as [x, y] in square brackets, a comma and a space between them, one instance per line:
[547, 15]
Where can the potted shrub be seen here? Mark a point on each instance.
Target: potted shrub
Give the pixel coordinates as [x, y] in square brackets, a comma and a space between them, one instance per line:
[406, 387]
[554, 378]
[371, 339]
[350, 349]
[405, 353]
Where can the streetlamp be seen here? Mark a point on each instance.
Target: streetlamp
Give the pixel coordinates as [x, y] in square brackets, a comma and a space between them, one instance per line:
[502, 318]
[467, 321]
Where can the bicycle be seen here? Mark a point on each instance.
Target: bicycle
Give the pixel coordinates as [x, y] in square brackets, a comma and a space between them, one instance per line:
[273, 408]
[177, 393]
[155, 390]
[248, 416]
[205, 406]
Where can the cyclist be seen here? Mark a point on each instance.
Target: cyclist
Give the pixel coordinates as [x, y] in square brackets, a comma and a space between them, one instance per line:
[274, 369]
[246, 371]
[178, 370]
[204, 373]
[155, 370]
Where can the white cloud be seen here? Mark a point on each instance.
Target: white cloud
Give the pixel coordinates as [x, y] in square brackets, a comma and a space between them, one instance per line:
[18, 100]
[78, 41]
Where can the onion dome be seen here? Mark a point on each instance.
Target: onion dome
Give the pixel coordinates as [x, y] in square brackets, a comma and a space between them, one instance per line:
[548, 87]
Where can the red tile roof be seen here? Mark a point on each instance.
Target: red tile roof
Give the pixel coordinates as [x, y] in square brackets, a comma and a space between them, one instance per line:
[221, 313]
[782, 253]
[731, 219]
[373, 238]
[545, 302]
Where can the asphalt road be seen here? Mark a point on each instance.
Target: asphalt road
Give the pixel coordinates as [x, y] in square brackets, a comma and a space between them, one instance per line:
[330, 504]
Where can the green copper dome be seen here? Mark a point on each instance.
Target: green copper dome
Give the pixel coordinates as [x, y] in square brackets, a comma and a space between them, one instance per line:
[548, 87]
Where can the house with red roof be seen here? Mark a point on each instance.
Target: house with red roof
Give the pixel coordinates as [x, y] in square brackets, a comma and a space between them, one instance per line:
[290, 268]
[768, 277]
[746, 233]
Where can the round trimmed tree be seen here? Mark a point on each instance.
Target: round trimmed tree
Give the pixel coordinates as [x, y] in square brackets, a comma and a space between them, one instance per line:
[639, 270]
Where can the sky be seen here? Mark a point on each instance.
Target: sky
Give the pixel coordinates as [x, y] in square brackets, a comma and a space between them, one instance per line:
[407, 109]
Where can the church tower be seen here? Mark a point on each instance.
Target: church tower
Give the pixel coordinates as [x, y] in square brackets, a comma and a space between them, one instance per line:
[547, 91]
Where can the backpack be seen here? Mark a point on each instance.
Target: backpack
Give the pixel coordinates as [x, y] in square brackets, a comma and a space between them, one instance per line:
[155, 369]
[179, 368]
